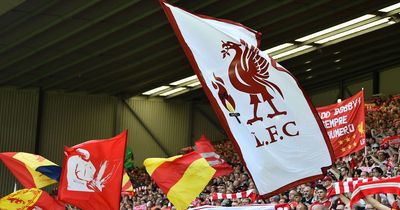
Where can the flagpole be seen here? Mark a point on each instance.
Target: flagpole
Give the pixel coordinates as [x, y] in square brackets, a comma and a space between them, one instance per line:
[365, 148]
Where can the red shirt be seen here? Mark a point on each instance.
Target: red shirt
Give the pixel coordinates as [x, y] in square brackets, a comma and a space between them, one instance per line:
[326, 203]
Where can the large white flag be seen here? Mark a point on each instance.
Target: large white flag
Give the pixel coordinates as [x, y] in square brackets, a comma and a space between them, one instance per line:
[266, 114]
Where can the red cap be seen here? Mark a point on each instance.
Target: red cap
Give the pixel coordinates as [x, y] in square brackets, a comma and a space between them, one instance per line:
[327, 178]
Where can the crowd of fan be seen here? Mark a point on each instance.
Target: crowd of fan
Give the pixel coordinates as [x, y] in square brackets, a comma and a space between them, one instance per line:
[375, 161]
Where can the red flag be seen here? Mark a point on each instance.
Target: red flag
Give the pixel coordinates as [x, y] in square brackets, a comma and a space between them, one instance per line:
[47, 202]
[92, 173]
[207, 151]
[344, 123]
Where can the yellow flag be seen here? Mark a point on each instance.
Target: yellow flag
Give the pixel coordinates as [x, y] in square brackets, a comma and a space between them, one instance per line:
[20, 200]
[181, 178]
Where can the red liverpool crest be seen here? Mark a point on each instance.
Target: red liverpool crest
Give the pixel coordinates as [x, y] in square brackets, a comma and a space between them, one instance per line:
[248, 73]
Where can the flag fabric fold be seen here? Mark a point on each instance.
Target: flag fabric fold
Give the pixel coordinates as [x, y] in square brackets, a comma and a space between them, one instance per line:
[345, 124]
[181, 178]
[92, 173]
[32, 171]
[270, 120]
[390, 185]
[28, 199]
[207, 151]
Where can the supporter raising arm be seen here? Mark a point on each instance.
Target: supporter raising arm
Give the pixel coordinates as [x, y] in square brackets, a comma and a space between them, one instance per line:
[376, 204]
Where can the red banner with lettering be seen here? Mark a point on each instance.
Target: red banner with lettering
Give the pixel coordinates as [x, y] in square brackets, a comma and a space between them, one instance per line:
[345, 124]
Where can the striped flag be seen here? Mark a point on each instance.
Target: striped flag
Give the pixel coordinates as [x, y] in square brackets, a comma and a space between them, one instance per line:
[244, 194]
[32, 171]
[181, 177]
[127, 187]
[391, 185]
[392, 140]
[347, 186]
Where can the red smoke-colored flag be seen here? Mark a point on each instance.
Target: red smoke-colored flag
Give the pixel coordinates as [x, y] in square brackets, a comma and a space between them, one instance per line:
[207, 151]
[344, 122]
[92, 173]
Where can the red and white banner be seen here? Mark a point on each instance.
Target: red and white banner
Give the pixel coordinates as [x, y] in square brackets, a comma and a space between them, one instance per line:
[347, 186]
[207, 151]
[344, 123]
[92, 173]
[391, 140]
[249, 207]
[270, 120]
[230, 196]
[391, 185]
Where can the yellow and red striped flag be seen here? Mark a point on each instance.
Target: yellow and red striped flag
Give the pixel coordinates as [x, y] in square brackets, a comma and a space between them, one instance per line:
[127, 187]
[181, 178]
[32, 171]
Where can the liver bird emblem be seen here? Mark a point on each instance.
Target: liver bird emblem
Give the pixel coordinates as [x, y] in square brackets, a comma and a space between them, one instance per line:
[248, 73]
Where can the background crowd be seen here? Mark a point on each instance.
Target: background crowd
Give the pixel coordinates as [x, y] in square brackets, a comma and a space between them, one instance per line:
[375, 161]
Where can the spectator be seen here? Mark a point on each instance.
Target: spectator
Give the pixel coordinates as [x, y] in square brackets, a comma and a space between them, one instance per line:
[344, 173]
[321, 198]
[307, 196]
[327, 182]
[377, 172]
